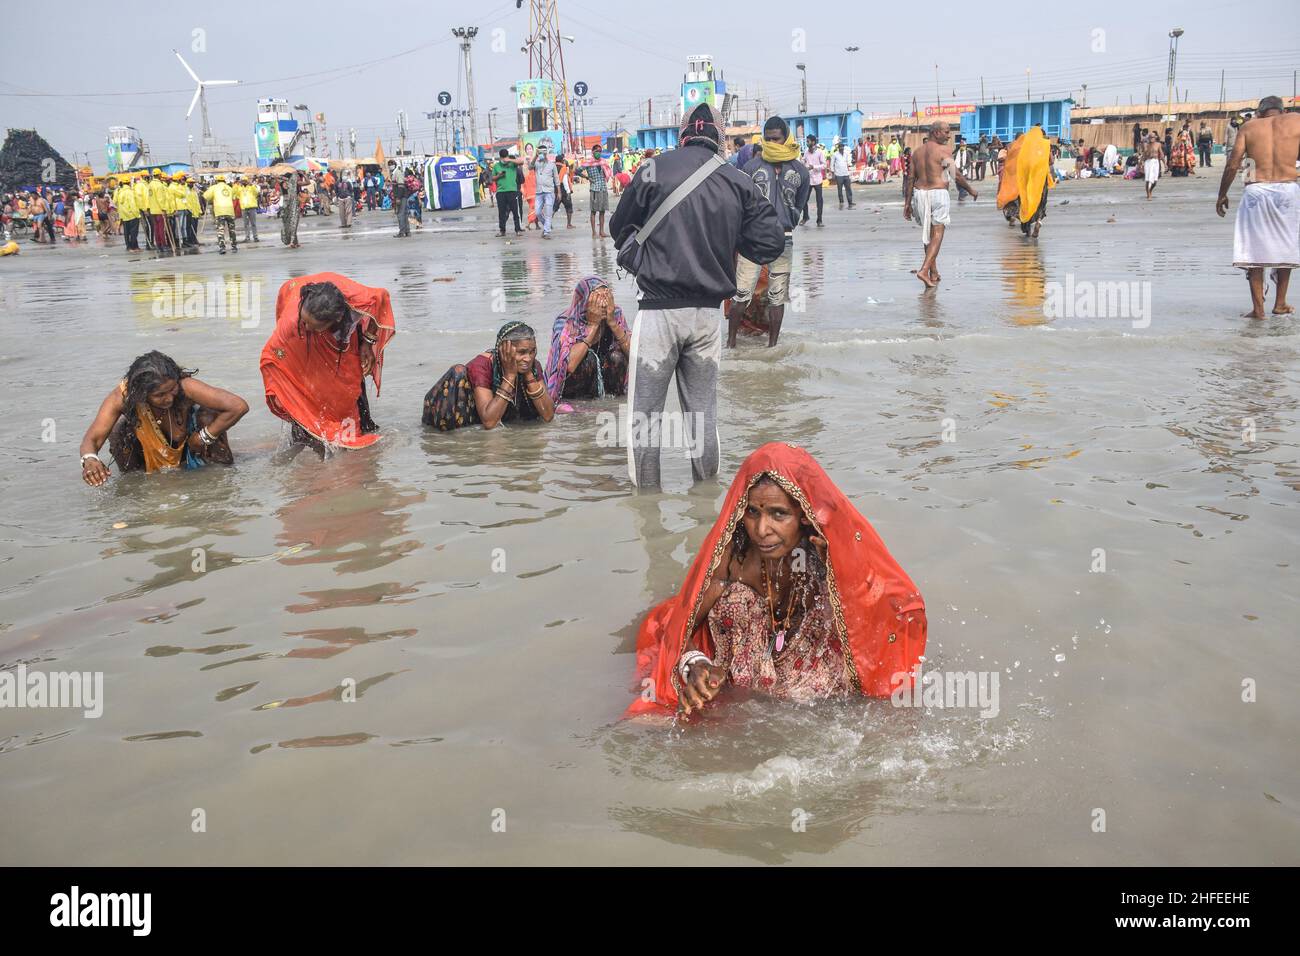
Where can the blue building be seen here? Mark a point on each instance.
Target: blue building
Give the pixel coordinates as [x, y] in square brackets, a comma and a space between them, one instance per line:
[1008, 120]
[657, 138]
[826, 126]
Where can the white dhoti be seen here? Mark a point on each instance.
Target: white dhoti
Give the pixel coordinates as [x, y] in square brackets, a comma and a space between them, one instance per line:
[1267, 235]
[930, 207]
[1151, 169]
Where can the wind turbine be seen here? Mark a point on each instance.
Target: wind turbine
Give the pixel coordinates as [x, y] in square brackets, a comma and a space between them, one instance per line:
[201, 96]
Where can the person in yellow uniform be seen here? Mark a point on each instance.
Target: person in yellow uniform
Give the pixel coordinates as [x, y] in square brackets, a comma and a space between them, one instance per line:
[180, 209]
[128, 213]
[195, 209]
[222, 199]
[160, 211]
[249, 199]
[140, 186]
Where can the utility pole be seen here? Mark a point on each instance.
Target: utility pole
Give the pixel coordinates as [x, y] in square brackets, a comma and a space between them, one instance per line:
[352, 140]
[1174, 34]
[401, 132]
[981, 91]
[803, 83]
[937, 103]
[850, 50]
[1085, 96]
[1221, 77]
[467, 35]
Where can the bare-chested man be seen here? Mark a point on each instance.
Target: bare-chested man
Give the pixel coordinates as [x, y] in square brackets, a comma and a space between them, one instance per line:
[925, 196]
[1153, 158]
[1268, 220]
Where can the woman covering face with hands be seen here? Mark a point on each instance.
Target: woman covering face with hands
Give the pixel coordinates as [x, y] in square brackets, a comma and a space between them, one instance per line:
[503, 384]
[590, 343]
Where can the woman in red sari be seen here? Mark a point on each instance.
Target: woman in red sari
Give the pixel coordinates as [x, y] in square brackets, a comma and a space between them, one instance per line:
[330, 333]
[793, 594]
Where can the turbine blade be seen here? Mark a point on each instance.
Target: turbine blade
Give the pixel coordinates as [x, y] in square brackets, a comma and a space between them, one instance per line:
[220, 82]
[194, 76]
[194, 102]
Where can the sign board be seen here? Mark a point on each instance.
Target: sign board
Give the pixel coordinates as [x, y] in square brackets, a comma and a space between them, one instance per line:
[534, 94]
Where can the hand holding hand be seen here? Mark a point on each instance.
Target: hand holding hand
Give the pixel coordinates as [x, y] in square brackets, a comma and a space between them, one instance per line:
[702, 684]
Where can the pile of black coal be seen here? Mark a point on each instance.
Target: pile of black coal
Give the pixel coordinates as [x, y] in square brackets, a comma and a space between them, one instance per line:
[26, 160]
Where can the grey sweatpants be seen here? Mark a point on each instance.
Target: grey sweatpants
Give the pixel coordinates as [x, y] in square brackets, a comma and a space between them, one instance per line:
[688, 343]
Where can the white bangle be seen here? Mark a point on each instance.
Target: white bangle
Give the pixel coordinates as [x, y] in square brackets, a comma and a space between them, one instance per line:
[87, 456]
[689, 658]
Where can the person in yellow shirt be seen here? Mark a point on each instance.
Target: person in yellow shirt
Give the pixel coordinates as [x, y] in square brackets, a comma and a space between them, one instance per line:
[249, 199]
[176, 192]
[222, 200]
[128, 213]
[140, 186]
[195, 209]
[160, 211]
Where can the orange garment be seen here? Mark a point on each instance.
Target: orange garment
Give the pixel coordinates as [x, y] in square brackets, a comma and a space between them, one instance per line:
[158, 452]
[308, 380]
[877, 609]
[1009, 184]
[530, 196]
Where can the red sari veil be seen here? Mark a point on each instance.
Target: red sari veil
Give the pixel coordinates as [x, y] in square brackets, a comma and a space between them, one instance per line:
[877, 609]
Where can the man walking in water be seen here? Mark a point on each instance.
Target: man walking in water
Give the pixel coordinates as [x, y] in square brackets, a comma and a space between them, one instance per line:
[685, 269]
[1153, 157]
[925, 196]
[1268, 220]
[783, 181]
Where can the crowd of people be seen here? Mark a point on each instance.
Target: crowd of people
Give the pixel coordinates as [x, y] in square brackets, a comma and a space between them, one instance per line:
[793, 594]
[164, 213]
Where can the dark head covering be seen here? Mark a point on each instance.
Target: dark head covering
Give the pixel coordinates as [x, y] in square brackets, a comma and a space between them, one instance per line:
[777, 123]
[702, 127]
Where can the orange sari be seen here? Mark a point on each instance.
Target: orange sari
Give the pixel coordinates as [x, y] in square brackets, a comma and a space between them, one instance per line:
[878, 612]
[158, 452]
[308, 380]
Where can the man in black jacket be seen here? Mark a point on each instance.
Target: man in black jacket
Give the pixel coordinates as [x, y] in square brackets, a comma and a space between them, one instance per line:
[688, 267]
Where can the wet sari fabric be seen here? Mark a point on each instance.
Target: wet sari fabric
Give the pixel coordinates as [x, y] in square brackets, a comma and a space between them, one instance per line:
[308, 380]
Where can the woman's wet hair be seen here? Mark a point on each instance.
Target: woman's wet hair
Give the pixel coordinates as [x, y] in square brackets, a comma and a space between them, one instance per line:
[326, 303]
[147, 374]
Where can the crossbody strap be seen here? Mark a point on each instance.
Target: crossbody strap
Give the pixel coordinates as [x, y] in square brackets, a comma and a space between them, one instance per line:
[711, 164]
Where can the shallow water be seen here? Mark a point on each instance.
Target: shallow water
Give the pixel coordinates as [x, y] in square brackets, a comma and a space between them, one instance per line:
[486, 694]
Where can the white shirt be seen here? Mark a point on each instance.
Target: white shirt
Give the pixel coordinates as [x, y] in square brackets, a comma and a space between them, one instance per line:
[839, 163]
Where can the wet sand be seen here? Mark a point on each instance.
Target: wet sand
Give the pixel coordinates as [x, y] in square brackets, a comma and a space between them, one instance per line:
[485, 694]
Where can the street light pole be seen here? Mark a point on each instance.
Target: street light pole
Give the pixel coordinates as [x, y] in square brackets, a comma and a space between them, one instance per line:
[1174, 34]
[803, 83]
[850, 50]
[467, 35]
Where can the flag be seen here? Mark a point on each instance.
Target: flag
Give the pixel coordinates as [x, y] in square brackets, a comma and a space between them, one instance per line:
[379, 155]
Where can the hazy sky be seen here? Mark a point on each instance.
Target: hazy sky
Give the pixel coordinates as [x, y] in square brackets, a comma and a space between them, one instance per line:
[361, 63]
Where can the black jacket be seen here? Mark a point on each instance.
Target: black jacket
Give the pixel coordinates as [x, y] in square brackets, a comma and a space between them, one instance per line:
[690, 259]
